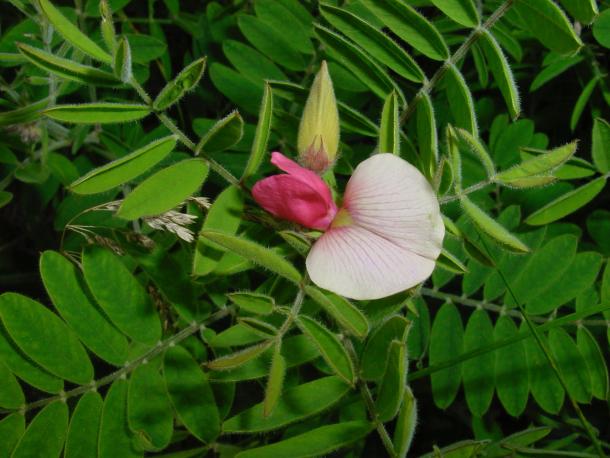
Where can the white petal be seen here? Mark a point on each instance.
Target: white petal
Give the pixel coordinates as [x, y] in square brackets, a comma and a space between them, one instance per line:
[395, 238]
[359, 264]
[391, 198]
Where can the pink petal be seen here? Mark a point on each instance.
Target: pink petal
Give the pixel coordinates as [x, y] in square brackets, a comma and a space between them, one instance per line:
[395, 236]
[302, 174]
[289, 198]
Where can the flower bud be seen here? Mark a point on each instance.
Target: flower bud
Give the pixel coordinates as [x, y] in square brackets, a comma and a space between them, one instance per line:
[318, 140]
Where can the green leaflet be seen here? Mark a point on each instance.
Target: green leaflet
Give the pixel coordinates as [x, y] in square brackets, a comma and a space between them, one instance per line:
[47, 431]
[600, 149]
[84, 427]
[11, 395]
[5, 198]
[226, 133]
[115, 439]
[543, 267]
[460, 101]
[406, 423]
[518, 439]
[72, 34]
[236, 87]
[281, 16]
[553, 70]
[275, 381]
[389, 126]
[261, 138]
[297, 350]
[24, 368]
[67, 69]
[233, 360]
[12, 428]
[45, 338]
[257, 303]
[66, 289]
[502, 73]
[296, 404]
[185, 81]
[315, 442]
[191, 394]
[461, 11]
[541, 164]
[125, 168]
[378, 344]
[24, 114]
[474, 145]
[271, 42]
[251, 63]
[149, 412]
[548, 23]
[255, 253]
[582, 101]
[259, 327]
[572, 366]
[98, 113]
[512, 382]
[478, 372]
[122, 64]
[491, 227]
[582, 10]
[224, 215]
[427, 134]
[329, 346]
[579, 276]
[601, 28]
[373, 42]
[410, 26]
[451, 263]
[139, 321]
[164, 190]
[594, 359]
[145, 48]
[567, 203]
[236, 335]
[446, 343]
[343, 311]
[391, 387]
[359, 64]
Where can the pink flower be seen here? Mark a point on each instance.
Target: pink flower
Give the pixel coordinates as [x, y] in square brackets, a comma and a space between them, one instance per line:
[384, 239]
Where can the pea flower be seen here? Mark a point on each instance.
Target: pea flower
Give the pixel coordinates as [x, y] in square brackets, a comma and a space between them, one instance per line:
[383, 239]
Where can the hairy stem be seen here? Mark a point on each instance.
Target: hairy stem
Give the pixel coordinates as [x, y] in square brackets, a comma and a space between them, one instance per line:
[564, 320]
[498, 308]
[455, 58]
[535, 331]
[369, 402]
[129, 367]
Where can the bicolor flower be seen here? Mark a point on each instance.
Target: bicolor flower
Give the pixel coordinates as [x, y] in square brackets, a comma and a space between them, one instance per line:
[383, 239]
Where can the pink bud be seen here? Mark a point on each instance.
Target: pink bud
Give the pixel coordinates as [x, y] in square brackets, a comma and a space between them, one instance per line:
[299, 195]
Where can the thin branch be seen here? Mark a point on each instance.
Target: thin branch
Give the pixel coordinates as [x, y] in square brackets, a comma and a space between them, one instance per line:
[455, 58]
[129, 367]
[552, 363]
[496, 308]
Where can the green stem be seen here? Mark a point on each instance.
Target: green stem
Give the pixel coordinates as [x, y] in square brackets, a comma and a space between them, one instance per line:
[496, 307]
[128, 368]
[522, 335]
[535, 332]
[455, 58]
[370, 403]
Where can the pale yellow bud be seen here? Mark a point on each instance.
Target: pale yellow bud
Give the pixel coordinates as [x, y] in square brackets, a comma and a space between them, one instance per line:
[318, 140]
